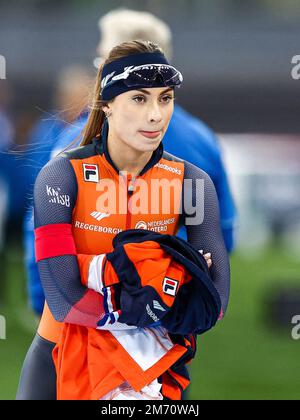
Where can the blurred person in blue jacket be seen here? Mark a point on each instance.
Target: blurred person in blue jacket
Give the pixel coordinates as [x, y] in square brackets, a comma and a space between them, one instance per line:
[4, 204]
[201, 147]
[70, 98]
[13, 172]
[6, 143]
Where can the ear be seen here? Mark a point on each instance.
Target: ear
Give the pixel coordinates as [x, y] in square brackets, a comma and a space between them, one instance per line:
[106, 108]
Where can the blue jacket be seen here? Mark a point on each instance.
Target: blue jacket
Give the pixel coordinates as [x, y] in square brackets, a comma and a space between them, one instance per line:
[196, 306]
[138, 299]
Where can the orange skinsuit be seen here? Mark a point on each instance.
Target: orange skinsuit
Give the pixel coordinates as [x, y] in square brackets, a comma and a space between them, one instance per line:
[91, 238]
[79, 373]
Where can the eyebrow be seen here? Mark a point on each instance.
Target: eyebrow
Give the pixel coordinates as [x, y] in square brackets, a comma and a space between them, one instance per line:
[148, 93]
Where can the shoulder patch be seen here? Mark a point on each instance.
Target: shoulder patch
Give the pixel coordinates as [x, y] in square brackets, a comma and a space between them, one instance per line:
[91, 172]
[170, 286]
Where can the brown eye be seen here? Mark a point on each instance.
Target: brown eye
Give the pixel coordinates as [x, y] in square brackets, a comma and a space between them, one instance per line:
[139, 99]
[166, 99]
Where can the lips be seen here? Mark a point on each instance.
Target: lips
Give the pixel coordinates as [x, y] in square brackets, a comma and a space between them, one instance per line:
[150, 134]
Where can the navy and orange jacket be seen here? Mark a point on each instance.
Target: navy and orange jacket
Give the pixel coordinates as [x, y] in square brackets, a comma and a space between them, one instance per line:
[147, 267]
[158, 283]
[72, 236]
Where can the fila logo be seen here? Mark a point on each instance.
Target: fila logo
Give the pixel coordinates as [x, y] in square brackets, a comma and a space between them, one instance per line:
[91, 172]
[170, 286]
[99, 216]
[156, 305]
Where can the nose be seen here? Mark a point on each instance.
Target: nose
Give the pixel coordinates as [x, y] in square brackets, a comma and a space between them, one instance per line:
[154, 113]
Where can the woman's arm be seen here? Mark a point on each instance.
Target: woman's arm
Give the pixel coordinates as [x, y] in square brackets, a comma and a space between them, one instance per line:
[55, 195]
[204, 227]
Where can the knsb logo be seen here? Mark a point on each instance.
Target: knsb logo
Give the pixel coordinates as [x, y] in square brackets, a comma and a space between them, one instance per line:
[2, 328]
[170, 286]
[91, 173]
[57, 197]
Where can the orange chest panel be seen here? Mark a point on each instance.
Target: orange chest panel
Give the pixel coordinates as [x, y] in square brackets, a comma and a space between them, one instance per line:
[108, 202]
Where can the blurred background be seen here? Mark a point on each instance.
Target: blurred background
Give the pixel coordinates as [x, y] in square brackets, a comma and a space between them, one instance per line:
[236, 57]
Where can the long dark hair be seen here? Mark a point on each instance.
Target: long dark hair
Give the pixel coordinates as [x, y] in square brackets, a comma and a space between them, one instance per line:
[96, 117]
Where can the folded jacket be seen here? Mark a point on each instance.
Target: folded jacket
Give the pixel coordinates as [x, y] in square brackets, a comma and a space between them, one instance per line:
[152, 285]
[153, 279]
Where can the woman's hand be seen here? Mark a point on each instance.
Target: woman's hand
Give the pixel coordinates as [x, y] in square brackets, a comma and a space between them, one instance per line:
[207, 256]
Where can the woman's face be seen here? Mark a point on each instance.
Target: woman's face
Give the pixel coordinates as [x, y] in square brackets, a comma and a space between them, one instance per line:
[140, 118]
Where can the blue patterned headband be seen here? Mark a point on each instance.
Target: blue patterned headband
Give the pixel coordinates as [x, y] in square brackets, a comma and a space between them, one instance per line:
[137, 71]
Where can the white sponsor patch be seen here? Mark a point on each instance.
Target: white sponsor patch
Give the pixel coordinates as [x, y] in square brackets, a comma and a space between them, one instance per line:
[96, 228]
[157, 305]
[141, 225]
[99, 216]
[155, 225]
[151, 314]
[57, 197]
[170, 286]
[91, 172]
[168, 168]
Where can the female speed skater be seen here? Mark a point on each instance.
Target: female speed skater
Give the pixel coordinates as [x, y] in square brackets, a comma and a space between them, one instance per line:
[132, 107]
